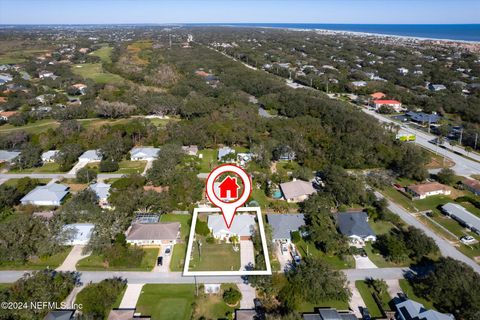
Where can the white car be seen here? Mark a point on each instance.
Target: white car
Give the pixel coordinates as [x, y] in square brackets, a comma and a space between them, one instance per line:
[468, 240]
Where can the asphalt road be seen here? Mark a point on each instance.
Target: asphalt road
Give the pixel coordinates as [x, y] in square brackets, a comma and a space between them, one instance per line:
[177, 277]
[447, 249]
[463, 166]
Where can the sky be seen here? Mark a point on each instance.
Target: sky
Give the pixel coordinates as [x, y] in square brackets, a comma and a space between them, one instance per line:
[239, 11]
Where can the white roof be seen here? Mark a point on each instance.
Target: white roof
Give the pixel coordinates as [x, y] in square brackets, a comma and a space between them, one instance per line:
[242, 225]
[144, 152]
[101, 189]
[50, 154]
[297, 188]
[81, 232]
[416, 310]
[53, 192]
[91, 155]
[8, 155]
[462, 214]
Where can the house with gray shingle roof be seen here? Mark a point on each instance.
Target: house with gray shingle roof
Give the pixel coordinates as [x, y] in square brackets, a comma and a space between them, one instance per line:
[144, 153]
[90, 156]
[8, 156]
[284, 224]
[409, 309]
[49, 195]
[144, 234]
[297, 190]
[222, 152]
[355, 226]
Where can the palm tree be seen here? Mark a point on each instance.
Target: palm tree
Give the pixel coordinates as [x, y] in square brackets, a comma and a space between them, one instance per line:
[234, 240]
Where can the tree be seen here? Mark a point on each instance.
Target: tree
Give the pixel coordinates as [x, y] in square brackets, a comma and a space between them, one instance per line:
[411, 162]
[68, 155]
[392, 246]
[86, 175]
[164, 167]
[108, 165]
[29, 157]
[345, 188]
[446, 176]
[232, 296]
[313, 281]
[419, 244]
[98, 299]
[459, 280]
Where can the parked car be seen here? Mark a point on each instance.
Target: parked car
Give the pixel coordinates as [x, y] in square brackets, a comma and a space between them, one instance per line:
[297, 259]
[160, 261]
[366, 314]
[168, 250]
[468, 240]
[284, 248]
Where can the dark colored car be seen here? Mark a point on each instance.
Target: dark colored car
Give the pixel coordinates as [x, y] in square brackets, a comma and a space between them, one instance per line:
[159, 261]
[366, 314]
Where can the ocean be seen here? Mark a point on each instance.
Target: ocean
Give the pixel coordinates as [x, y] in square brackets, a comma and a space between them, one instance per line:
[464, 32]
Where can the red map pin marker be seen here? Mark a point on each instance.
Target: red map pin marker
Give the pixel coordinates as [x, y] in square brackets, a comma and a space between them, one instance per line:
[228, 189]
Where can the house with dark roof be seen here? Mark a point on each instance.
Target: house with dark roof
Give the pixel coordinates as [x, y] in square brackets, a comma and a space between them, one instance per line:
[153, 234]
[49, 195]
[412, 310]
[284, 224]
[125, 314]
[354, 225]
[60, 315]
[422, 117]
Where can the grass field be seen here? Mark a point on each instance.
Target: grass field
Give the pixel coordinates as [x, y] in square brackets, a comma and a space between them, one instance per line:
[368, 299]
[43, 262]
[310, 307]
[209, 159]
[178, 257]
[95, 72]
[408, 290]
[125, 167]
[380, 227]
[335, 261]
[167, 301]
[95, 263]
[215, 257]
[19, 56]
[4, 286]
[49, 167]
[103, 53]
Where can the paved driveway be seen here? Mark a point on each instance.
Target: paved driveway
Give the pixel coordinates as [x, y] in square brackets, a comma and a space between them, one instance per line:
[165, 267]
[69, 264]
[393, 288]
[77, 167]
[131, 296]
[248, 294]
[247, 253]
[363, 263]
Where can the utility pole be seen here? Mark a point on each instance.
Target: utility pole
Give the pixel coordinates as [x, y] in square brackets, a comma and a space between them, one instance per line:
[476, 138]
[461, 136]
[170, 40]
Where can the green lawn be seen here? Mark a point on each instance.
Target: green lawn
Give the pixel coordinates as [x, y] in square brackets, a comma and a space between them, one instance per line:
[4, 286]
[310, 307]
[335, 261]
[380, 227]
[212, 306]
[380, 261]
[367, 297]
[49, 167]
[167, 301]
[33, 127]
[43, 262]
[95, 263]
[103, 53]
[178, 257]
[408, 290]
[215, 257]
[399, 198]
[95, 72]
[184, 219]
[125, 167]
[209, 160]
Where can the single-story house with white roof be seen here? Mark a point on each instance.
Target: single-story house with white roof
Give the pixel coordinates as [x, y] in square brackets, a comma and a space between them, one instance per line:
[297, 190]
[49, 195]
[222, 152]
[8, 156]
[78, 233]
[243, 226]
[144, 153]
[152, 234]
[49, 156]
[90, 156]
[284, 224]
[102, 190]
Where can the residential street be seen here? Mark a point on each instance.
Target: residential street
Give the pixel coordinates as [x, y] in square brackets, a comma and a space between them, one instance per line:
[446, 248]
[53, 175]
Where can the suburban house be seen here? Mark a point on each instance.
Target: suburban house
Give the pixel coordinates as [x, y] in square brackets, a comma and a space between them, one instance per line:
[90, 156]
[409, 309]
[463, 216]
[329, 314]
[60, 315]
[49, 195]
[222, 152]
[423, 190]
[144, 153]
[46, 74]
[8, 156]
[49, 156]
[126, 314]
[297, 190]
[394, 104]
[403, 71]
[5, 77]
[472, 185]
[152, 234]
[190, 150]
[5, 115]
[244, 158]
[284, 224]
[422, 117]
[80, 87]
[436, 87]
[378, 95]
[242, 226]
[102, 190]
[355, 226]
[78, 233]
[359, 84]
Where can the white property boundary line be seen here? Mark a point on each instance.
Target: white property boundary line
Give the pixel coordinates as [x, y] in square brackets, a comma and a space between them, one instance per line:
[268, 271]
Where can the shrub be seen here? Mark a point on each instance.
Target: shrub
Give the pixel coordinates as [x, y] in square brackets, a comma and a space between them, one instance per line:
[86, 175]
[98, 299]
[232, 296]
[296, 236]
[108, 165]
[201, 228]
